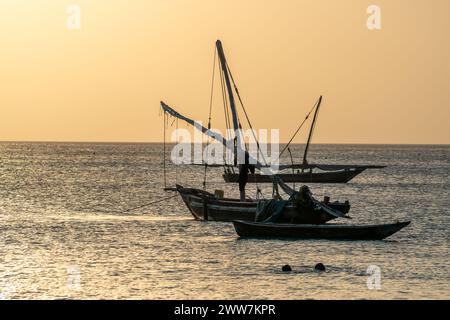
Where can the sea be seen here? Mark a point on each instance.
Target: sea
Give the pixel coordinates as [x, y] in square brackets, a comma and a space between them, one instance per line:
[92, 221]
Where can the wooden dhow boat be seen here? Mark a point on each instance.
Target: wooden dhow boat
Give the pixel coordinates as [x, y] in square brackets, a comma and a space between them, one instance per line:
[247, 229]
[306, 172]
[207, 206]
[342, 174]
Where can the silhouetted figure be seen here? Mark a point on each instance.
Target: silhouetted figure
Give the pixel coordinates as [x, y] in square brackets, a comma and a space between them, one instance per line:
[244, 169]
[304, 202]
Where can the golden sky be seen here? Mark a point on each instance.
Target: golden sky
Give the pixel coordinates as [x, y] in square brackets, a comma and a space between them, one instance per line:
[104, 81]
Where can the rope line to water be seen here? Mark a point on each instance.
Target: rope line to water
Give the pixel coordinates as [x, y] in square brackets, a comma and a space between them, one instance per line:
[133, 208]
[164, 150]
[149, 204]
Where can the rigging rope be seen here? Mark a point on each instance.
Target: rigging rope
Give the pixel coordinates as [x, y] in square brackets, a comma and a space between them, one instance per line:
[258, 190]
[164, 150]
[245, 113]
[176, 165]
[298, 129]
[212, 89]
[292, 163]
[210, 112]
[225, 110]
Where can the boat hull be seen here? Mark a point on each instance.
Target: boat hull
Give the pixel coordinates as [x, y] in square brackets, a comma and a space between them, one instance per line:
[342, 176]
[330, 231]
[204, 206]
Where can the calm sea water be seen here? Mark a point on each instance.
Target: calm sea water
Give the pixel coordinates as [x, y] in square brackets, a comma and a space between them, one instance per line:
[63, 236]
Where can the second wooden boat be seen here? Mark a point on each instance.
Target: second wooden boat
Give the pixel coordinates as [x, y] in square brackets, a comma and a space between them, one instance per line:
[309, 231]
[342, 176]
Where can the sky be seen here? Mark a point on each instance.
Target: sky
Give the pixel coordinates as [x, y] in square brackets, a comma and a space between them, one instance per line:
[104, 81]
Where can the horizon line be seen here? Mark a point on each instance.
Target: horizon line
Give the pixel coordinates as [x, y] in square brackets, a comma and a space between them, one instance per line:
[159, 142]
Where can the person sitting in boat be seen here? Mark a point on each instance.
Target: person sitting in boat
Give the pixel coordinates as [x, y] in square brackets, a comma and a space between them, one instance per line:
[303, 198]
[244, 169]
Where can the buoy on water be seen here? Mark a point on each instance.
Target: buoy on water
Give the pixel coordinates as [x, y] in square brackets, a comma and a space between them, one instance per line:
[319, 267]
[286, 268]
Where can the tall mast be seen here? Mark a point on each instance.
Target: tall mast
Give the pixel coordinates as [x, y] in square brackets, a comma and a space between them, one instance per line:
[224, 66]
[311, 130]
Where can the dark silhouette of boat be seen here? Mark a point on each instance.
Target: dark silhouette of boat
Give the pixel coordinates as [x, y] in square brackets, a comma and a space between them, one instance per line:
[328, 173]
[310, 231]
[341, 176]
[206, 206]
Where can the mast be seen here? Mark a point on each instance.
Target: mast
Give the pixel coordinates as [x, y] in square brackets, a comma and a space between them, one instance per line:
[224, 66]
[311, 130]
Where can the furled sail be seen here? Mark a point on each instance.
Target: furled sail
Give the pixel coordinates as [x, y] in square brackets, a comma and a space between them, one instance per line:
[194, 123]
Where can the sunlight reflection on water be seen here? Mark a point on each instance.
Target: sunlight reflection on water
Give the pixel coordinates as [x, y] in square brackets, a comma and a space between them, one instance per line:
[62, 238]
